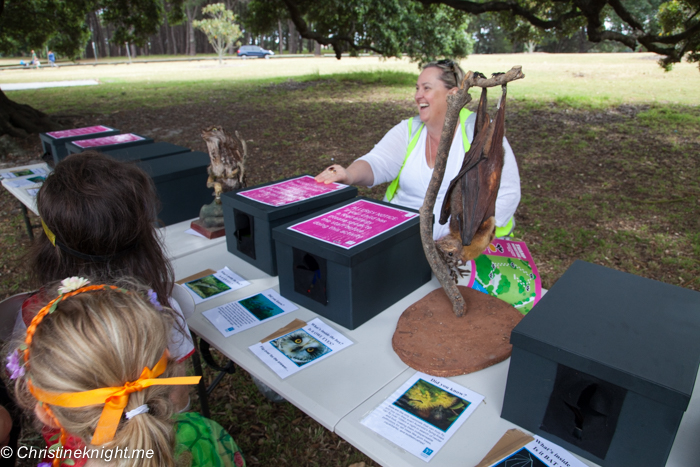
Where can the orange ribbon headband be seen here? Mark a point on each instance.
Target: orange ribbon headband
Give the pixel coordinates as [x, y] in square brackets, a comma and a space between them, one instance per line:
[114, 399]
[51, 306]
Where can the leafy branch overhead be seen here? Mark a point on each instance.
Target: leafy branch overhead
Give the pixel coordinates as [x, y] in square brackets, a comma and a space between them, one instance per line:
[390, 27]
[387, 27]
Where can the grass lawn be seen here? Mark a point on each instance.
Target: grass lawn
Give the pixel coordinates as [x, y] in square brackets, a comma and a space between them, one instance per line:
[608, 147]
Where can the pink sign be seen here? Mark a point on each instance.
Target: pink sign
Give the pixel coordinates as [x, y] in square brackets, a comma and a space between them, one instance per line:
[290, 191]
[89, 130]
[353, 224]
[107, 140]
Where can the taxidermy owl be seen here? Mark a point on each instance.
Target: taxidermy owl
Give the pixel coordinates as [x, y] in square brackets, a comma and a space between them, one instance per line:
[300, 347]
[470, 201]
[228, 157]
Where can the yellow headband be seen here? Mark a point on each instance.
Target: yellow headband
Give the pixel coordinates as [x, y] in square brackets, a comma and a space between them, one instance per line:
[50, 235]
[114, 399]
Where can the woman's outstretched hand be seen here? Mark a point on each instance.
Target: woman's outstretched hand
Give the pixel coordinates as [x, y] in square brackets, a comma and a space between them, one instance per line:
[334, 173]
[357, 173]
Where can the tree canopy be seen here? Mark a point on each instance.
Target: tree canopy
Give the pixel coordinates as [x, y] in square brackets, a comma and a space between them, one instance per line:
[386, 27]
[670, 29]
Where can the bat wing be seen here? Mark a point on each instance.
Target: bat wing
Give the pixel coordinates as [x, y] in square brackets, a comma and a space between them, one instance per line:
[479, 187]
[482, 117]
[492, 167]
[471, 159]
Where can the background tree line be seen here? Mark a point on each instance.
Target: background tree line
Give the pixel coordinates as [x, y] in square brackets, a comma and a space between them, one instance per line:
[175, 34]
[273, 24]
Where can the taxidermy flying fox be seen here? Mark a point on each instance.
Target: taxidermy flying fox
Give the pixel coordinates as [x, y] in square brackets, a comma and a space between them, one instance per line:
[470, 201]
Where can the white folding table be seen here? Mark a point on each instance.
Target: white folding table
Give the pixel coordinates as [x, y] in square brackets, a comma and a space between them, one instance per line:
[340, 391]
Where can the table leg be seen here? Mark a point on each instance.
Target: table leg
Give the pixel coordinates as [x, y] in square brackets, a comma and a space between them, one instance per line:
[201, 388]
[27, 222]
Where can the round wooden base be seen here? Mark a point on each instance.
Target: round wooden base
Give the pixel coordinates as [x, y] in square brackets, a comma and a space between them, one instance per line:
[430, 338]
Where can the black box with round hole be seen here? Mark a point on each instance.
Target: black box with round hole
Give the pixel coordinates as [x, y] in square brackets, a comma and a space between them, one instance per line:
[351, 286]
[249, 223]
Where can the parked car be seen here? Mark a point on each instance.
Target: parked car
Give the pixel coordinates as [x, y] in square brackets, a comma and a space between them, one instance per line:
[254, 51]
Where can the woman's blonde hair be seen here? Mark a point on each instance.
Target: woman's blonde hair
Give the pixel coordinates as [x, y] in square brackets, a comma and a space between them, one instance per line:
[451, 73]
[103, 339]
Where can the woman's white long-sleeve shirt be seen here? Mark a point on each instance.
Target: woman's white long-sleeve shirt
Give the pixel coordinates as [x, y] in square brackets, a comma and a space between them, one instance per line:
[387, 156]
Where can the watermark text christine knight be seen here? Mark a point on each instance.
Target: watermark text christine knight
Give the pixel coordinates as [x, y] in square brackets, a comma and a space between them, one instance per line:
[30, 452]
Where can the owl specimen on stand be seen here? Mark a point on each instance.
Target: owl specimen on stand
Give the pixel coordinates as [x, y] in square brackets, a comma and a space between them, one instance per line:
[228, 157]
[470, 200]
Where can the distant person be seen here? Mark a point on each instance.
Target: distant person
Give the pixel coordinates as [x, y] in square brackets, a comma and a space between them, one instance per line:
[52, 59]
[35, 60]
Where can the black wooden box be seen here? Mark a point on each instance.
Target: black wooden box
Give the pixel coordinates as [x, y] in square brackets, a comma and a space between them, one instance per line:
[146, 151]
[54, 142]
[249, 223]
[605, 365]
[181, 183]
[351, 286]
[107, 143]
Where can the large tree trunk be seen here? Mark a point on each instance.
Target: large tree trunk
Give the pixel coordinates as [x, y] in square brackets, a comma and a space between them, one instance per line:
[293, 37]
[191, 41]
[173, 40]
[20, 119]
[98, 35]
[279, 29]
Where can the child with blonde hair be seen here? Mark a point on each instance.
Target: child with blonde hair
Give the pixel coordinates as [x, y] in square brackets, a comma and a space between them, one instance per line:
[95, 364]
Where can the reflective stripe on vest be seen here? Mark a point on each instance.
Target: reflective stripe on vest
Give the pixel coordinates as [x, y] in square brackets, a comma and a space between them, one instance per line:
[506, 230]
[413, 137]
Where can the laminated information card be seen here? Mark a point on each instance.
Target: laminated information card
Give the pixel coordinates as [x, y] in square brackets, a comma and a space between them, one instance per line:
[354, 223]
[290, 191]
[423, 414]
[300, 348]
[108, 140]
[36, 171]
[25, 182]
[211, 286]
[539, 453]
[244, 314]
[90, 130]
[506, 270]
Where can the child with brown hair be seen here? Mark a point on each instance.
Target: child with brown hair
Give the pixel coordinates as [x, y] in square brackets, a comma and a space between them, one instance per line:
[99, 217]
[95, 364]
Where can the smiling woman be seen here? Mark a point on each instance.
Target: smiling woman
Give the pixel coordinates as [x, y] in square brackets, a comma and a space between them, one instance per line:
[406, 155]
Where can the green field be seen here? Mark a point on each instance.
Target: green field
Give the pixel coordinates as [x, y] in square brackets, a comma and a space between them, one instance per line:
[575, 79]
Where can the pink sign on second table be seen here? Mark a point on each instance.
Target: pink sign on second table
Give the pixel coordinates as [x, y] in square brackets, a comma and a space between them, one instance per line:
[353, 224]
[290, 191]
[89, 130]
[107, 140]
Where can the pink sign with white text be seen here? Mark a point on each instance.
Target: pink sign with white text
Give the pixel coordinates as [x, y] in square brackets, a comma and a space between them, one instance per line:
[290, 191]
[89, 130]
[107, 140]
[353, 224]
